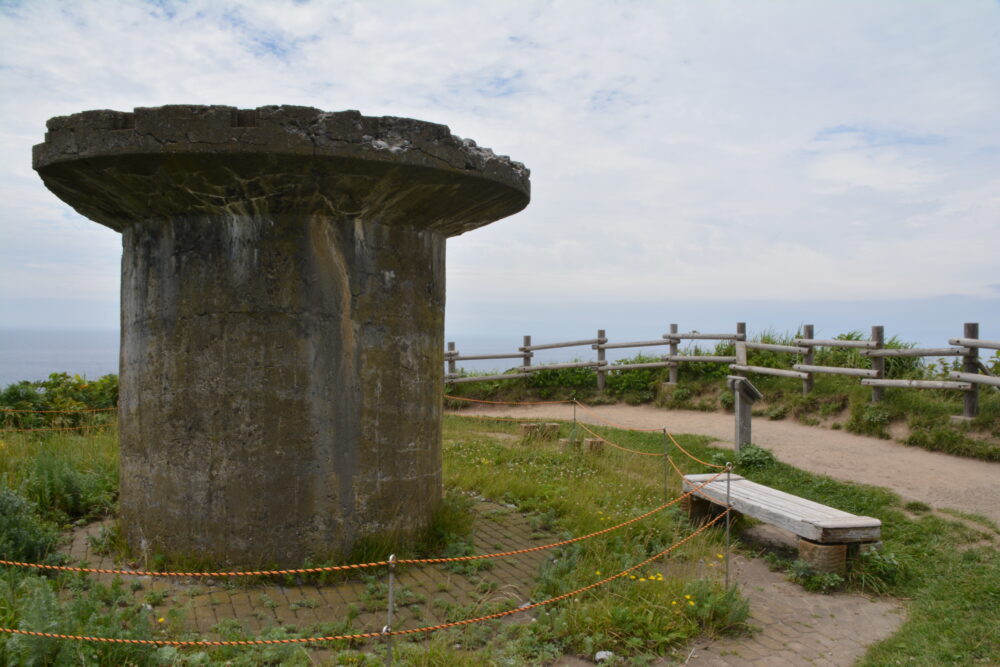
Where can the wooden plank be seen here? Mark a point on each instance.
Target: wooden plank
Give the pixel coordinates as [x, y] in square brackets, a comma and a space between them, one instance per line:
[917, 384]
[976, 378]
[473, 357]
[774, 347]
[837, 370]
[819, 342]
[756, 494]
[570, 343]
[805, 518]
[764, 370]
[700, 358]
[484, 378]
[638, 343]
[630, 367]
[919, 352]
[556, 367]
[703, 336]
[975, 342]
[779, 500]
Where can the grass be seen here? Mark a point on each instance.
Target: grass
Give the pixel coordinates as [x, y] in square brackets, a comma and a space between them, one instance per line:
[633, 617]
[947, 569]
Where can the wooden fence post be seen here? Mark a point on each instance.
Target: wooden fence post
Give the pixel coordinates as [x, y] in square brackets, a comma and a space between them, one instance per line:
[878, 363]
[741, 336]
[808, 358]
[452, 366]
[971, 365]
[601, 340]
[527, 353]
[672, 378]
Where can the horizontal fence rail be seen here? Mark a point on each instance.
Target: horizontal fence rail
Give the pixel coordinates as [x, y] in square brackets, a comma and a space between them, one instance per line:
[968, 380]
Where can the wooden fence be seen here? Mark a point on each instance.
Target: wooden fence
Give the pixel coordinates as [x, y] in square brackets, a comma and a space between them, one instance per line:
[973, 374]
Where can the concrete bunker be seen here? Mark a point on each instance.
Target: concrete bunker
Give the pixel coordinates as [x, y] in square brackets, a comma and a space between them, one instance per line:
[282, 316]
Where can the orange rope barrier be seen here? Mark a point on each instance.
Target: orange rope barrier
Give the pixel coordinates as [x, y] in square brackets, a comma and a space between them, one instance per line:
[57, 428]
[624, 449]
[700, 487]
[692, 456]
[615, 424]
[367, 635]
[480, 400]
[58, 411]
[354, 566]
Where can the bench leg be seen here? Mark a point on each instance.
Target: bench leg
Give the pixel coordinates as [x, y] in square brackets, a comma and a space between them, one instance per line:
[824, 557]
[699, 509]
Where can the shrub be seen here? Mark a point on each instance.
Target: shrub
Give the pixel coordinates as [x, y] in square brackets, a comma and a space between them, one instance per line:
[868, 419]
[877, 571]
[24, 535]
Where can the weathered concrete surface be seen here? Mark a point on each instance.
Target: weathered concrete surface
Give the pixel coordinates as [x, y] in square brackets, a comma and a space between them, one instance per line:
[282, 316]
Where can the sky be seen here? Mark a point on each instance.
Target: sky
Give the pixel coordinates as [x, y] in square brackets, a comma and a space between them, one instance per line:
[693, 162]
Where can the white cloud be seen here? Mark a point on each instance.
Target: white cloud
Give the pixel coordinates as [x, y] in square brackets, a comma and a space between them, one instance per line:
[821, 149]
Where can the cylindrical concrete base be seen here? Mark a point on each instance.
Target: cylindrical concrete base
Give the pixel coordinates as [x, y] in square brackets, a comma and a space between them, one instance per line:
[282, 316]
[317, 343]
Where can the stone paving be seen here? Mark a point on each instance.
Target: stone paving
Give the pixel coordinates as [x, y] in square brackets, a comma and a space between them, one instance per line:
[425, 595]
[798, 627]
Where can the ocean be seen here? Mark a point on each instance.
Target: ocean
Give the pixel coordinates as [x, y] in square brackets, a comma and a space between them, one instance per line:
[32, 354]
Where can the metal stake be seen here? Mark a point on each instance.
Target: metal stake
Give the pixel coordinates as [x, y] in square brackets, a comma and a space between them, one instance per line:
[666, 466]
[729, 514]
[388, 613]
[572, 437]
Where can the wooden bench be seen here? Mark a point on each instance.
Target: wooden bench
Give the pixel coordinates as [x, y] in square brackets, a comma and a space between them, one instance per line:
[827, 536]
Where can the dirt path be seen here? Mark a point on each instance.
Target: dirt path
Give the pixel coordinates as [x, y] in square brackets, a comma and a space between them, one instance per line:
[939, 480]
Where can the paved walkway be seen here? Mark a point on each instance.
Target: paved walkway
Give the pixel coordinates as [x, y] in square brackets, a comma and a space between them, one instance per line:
[796, 627]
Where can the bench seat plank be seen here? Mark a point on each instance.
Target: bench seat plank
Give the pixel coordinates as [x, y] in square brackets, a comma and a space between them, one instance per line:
[806, 518]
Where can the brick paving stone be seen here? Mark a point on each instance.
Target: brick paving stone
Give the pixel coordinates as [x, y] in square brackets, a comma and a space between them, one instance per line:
[798, 627]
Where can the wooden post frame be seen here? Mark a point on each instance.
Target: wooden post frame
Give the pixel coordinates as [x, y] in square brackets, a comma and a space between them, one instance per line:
[970, 364]
[452, 365]
[878, 363]
[527, 352]
[602, 339]
[745, 395]
[808, 358]
[672, 378]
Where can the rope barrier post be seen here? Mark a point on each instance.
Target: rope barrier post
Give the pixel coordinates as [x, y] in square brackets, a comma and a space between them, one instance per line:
[666, 465]
[388, 612]
[572, 437]
[729, 512]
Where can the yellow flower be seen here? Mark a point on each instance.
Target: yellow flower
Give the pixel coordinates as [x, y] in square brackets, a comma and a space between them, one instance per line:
[687, 597]
[690, 603]
[632, 576]
[673, 602]
[719, 556]
[597, 572]
[160, 619]
[642, 579]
